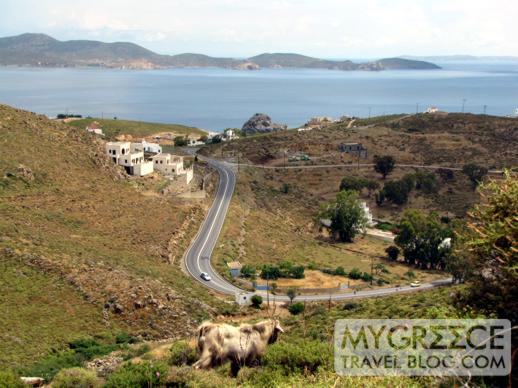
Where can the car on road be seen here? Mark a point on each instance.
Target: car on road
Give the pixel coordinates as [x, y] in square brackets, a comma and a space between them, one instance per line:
[417, 283]
[205, 276]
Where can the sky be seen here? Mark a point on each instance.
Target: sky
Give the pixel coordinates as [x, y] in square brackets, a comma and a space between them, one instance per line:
[241, 28]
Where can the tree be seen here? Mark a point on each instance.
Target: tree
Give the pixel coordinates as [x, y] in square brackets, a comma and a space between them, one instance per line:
[291, 293]
[270, 272]
[257, 301]
[248, 271]
[392, 252]
[296, 308]
[353, 183]
[346, 214]
[384, 165]
[420, 237]
[379, 269]
[489, 244]
[355, 274]
[426, 182]
[397, 191]
[475, 173]
[216, 139]
[180, 141]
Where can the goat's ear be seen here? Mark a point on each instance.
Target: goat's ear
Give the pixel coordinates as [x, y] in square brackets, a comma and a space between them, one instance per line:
[279, 328]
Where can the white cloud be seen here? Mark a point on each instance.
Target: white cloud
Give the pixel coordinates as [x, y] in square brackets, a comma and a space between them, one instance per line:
[332, 28]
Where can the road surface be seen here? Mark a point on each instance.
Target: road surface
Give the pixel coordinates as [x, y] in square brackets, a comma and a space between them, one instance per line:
[197, 257]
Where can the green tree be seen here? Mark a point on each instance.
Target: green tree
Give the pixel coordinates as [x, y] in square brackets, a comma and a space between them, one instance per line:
[180, 141]
[346, 215]
[397, 191]
[271, 272]
[291, 293]
[257, 301]
[248, 271]
[490, 245]
[420, 237]
[384, 165]
[392, 252]
[353, 183]
[475, 173]
[426, 182]
[296, 308]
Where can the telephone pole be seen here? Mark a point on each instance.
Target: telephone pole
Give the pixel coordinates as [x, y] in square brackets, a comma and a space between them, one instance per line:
[463, 104]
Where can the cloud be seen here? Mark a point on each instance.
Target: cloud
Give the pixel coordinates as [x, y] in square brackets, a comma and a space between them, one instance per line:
[332, 28]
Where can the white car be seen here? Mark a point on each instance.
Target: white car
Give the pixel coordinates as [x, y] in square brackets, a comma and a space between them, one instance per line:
[417, 283]
[205, 276]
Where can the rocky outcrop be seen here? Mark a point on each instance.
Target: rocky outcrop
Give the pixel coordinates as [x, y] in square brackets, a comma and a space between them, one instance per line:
[261, 123]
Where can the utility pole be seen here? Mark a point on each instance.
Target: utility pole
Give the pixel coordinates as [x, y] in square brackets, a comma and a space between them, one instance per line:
[370, 109]
[372, 269]
[463, 104]
[417, 108]
[485, 109]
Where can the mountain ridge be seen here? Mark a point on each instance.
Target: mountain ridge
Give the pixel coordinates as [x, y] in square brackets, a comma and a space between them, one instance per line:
[36, 49]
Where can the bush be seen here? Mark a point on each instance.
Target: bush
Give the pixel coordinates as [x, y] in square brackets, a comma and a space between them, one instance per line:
[355, 274]
[180, 141]
[410, 274]
[285, 188]
[353, 183]
[296, 308]
[248, 271]
[125, 338]
[392, 252]
[181, 353]
[350, 306]
[257, 301]
[397, 191]
[475, 173]
[426, 182]
[340, 271]
[312, 265]
[10, 380]
[298, 356]
[144, 374]
[75, 378]
[297, 272]
[270, 272]
[366, 277]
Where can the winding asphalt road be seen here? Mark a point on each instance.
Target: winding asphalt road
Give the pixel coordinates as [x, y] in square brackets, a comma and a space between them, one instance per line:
[197, 257]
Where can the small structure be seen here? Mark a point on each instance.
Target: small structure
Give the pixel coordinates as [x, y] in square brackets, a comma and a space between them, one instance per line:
[432, 109]
[353, 148]
[243, 298]
[304, 129]
[368, 214]
[132, 161]
[169, 164]
[235, 268]
[95, 127]
[230, 134]
[319, 120]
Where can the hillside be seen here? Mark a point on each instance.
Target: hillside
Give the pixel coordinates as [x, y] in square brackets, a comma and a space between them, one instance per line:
[113, 128]
[83, 252]
[43, 50]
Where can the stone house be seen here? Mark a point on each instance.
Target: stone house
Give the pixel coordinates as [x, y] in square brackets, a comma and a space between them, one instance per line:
[169, 164]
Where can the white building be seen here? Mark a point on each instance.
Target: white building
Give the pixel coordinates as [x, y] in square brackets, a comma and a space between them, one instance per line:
[144, 146]
[169, 164]
[432, 109]
[128, 156]
[94, 127]
[368, 214]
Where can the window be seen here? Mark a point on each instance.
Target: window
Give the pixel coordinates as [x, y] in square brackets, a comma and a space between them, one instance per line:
[125, 160]
[123, 151]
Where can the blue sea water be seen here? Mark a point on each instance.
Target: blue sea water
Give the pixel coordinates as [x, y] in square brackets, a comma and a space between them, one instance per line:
[217, 98]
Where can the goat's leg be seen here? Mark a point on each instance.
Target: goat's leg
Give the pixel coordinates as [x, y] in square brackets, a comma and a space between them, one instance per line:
[234, 368]
[204, 362]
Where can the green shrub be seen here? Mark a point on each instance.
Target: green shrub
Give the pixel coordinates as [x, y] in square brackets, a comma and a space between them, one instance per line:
[366, 277]
[355, 274]
[340, 271]
[392, 252]
[142, 375]
[182, 353]
[298, 356]
[136, 352]
[49, 366]
[256, 300]
[125, 338]
[410, 274]
[75, 378]
[296, 308]
[350, 306]
[8, 379]
[312, 266]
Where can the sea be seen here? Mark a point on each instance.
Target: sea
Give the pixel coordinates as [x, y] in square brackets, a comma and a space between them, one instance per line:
[215, 99]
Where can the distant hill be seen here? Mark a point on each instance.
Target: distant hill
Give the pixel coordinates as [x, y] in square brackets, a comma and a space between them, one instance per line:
[45, 51]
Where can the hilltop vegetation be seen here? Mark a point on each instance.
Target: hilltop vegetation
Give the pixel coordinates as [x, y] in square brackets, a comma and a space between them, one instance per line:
[82, 250]
[113, 128]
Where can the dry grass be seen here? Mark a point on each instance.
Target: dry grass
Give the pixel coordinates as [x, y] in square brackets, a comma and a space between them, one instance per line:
[75, 219]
